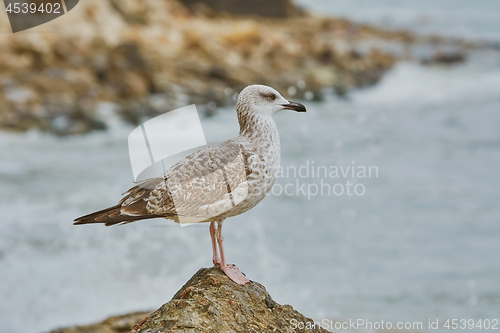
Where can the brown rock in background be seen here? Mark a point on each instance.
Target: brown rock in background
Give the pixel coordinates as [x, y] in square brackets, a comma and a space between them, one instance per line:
[116, 324]
[265, 8]
[146, 58]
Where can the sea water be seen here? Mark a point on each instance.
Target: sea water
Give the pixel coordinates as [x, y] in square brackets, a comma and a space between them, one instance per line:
[476, 19]
[418, 241]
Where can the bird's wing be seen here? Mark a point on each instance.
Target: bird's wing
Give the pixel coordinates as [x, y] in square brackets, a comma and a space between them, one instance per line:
[204, 183]
[201, 186]
[135, 199]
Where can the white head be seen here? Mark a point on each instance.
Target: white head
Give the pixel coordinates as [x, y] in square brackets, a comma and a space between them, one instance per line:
[264, 100]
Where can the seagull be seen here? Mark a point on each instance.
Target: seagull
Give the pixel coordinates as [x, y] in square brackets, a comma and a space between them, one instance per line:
[216, 182]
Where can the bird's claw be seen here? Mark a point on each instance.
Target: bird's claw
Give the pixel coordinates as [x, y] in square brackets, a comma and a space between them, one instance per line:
[234, 274]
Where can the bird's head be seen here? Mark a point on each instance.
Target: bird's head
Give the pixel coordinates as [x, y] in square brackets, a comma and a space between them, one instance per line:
[260, 99]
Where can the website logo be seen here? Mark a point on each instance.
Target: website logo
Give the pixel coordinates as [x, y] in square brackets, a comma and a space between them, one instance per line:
[26, 14]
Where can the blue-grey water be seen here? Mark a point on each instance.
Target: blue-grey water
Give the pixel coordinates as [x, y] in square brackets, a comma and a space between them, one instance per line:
[422, 242]
[455, 18]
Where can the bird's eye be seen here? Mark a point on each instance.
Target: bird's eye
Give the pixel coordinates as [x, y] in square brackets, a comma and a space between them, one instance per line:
[272, 97]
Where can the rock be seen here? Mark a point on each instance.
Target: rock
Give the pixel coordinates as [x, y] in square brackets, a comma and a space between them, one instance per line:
[266, 8]
[447, 58]
[116, 324]
[210, 302]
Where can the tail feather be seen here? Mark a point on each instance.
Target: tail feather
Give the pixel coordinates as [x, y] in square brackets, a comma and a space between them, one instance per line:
[132, 207]
[110, 216]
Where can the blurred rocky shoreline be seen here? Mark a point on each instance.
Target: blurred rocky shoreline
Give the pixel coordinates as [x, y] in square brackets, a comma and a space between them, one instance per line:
[140, 59]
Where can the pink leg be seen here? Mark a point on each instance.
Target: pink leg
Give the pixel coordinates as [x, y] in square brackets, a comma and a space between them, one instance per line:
[231, 271]
[215, 258]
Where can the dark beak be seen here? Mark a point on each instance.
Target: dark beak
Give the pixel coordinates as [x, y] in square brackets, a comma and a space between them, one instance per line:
[294, 106]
